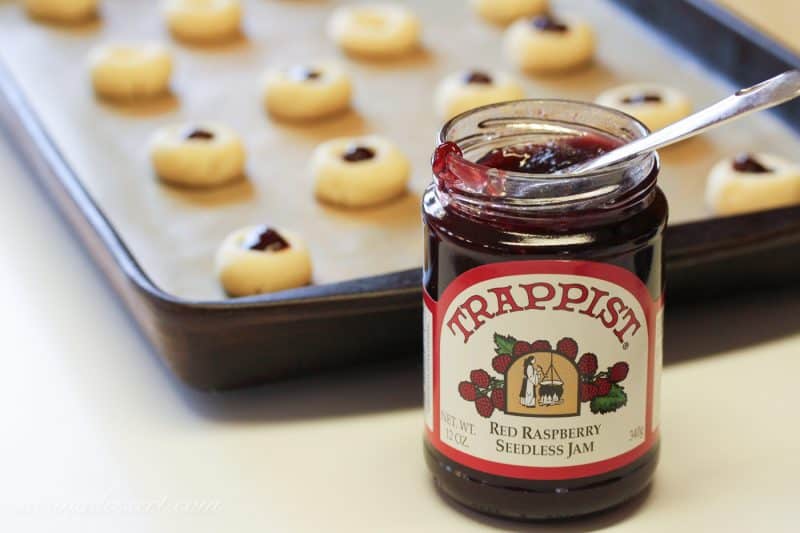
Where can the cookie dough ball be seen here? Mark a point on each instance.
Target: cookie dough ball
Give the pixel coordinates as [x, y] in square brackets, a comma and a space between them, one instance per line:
[307, 92]
[467, 90]
[507, 11]
[260, 259]
[752, 182]
[63, 11]
[655, 105]
[375, 30]
[359, 172]
[202, 155]
[130, 71]
[204, 20]
[546, 44]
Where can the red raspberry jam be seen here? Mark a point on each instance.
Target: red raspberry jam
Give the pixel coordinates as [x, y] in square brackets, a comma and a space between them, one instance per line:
[642, 98]
[199, 134]
[354, 154]
[478, 77]
[265, 239]
[548, 23]
[543, 311]
[749, 164]
[550, 157]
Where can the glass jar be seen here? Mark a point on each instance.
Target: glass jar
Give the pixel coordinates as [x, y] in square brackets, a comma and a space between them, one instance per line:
[543, 313]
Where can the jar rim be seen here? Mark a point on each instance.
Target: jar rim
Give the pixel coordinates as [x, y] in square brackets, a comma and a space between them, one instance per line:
[487, 125]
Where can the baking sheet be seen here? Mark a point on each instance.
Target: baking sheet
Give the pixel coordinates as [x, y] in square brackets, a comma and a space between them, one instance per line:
[174, 232]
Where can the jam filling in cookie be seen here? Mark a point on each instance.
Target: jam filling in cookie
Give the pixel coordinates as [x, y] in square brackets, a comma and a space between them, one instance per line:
[749, 164]
[304, 74]
[478, 77]
[199, 134]
[643, 98]
[549, 23]
[266, 240]
[358, 153]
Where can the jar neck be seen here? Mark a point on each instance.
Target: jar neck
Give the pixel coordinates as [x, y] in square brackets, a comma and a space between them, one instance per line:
[465, 185]
[578, 216]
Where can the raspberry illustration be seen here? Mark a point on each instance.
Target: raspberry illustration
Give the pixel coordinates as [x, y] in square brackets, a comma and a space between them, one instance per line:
[618, 372]
[567, 347]
[467, 391]
[501, 363]
[588, 392]
[587, 364]
[480, 378]
[498, 399]
[541, 346]
[521, 348]
[484, 406]
[603, 386]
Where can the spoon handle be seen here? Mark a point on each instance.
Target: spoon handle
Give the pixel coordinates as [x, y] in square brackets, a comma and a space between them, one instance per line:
[766, 94]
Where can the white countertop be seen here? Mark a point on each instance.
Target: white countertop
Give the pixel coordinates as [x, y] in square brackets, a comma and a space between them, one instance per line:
[100, 437]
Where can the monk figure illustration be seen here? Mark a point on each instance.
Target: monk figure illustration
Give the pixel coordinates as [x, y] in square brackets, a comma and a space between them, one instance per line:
[532, 377]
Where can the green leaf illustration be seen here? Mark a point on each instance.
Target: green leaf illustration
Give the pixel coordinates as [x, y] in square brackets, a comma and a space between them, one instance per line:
[615, 399]
[504, 343]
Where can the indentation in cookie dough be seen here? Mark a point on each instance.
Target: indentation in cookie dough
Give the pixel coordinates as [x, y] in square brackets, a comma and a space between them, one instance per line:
[549, 43]
[205, 155]
[359, 172]
[262, 259]
[306, 92]
[752, 182]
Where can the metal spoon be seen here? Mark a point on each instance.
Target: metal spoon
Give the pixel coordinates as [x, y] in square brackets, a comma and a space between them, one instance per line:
[766, 94]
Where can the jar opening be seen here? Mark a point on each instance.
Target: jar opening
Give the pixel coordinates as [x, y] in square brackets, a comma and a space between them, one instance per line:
[510, 129]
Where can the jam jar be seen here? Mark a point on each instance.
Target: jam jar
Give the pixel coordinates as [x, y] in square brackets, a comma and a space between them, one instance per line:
[543, 298]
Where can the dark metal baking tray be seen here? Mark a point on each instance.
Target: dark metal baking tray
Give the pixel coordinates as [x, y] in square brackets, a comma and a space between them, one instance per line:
[224, 344]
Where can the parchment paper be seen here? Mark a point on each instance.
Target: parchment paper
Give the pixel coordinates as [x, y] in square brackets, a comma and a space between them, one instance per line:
[174, 232]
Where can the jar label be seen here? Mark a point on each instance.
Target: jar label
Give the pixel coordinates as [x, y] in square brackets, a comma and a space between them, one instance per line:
[542, 369]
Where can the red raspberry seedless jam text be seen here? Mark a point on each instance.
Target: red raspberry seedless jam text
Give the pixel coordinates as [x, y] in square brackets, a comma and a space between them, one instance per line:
[543, 305]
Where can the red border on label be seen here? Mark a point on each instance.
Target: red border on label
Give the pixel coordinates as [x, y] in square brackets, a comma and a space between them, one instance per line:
[430, 303]
[611, 273]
